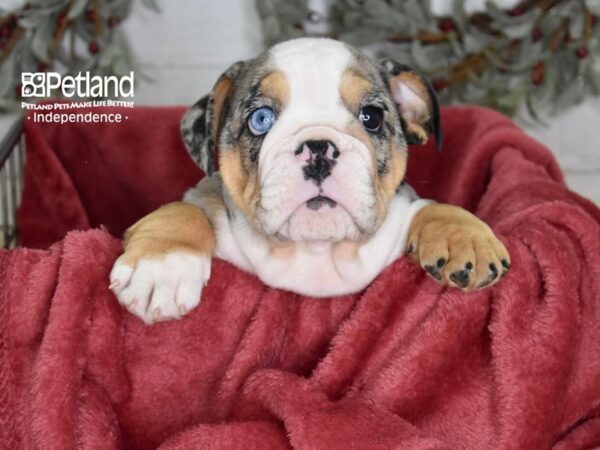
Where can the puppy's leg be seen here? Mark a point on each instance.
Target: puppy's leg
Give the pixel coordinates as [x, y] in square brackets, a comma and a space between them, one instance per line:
[166, 263]
[456, 248]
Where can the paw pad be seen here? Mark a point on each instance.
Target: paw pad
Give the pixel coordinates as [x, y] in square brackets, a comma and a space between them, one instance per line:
[461, 277]
[434, 272]
[491, 277]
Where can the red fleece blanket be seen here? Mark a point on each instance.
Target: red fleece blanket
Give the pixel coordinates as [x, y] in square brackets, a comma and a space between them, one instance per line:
[404, 364]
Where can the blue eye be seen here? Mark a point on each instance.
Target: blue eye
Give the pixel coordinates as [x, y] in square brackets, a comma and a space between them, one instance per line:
[261, 121]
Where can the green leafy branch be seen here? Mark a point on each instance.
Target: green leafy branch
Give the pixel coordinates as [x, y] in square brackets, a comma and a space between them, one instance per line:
[541, 55]
[66, 36]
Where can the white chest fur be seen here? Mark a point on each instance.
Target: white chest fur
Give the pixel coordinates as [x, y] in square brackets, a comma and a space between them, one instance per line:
[318, 269]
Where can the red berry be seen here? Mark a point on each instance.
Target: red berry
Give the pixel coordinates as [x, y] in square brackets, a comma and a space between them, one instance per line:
[61, 20]
[517, 11]
[90, 15]
[537, 78]
[446, 25]
[112, 22]
[6, 32]
[93, 47]
[582, 52]
[42, 67]
[536, 34]
[439, 84]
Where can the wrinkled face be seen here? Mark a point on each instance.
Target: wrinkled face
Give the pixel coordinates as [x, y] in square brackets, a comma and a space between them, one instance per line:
[312, 138]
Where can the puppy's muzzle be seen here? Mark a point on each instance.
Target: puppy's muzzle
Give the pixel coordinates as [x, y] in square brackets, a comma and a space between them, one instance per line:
[320, 157]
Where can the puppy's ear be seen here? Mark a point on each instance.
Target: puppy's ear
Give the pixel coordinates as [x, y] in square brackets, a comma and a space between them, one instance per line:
[202, 123]
[416, 100]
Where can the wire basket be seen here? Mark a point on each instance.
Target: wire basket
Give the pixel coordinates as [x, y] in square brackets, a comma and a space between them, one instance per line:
[12, 159]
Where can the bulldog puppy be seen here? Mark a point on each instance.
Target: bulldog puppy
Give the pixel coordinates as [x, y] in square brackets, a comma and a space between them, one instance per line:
[312, 147]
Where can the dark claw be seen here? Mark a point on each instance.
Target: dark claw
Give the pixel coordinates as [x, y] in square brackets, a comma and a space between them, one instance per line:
[469, 265]
[461, 277]
[440, 263]
[410, 248]
[433, 271]
[492, 276]
[505, 264]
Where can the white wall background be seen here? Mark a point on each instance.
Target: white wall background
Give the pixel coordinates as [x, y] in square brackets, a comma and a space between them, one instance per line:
[187, 46]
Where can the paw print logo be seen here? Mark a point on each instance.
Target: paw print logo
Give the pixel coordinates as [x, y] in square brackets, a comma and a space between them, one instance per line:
[34, 84]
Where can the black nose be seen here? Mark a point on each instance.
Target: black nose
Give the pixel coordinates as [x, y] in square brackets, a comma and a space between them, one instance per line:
[321, 147]
[320, 157]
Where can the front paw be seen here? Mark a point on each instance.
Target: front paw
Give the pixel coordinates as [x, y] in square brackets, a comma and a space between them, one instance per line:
[156, 289]
[456, 248]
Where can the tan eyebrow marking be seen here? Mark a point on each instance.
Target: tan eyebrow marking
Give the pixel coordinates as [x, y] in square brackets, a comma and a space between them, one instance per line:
[353, 88]
[276, 86]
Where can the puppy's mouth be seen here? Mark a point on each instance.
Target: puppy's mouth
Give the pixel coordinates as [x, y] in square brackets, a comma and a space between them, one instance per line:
[320, 201]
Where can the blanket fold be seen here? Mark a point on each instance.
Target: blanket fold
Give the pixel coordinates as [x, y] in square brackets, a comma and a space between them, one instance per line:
[404, 364]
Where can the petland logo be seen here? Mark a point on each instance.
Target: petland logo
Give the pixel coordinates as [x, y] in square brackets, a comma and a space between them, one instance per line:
[45, 84]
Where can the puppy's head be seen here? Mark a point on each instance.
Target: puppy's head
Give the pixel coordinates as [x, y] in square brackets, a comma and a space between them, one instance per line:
[312, 137]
